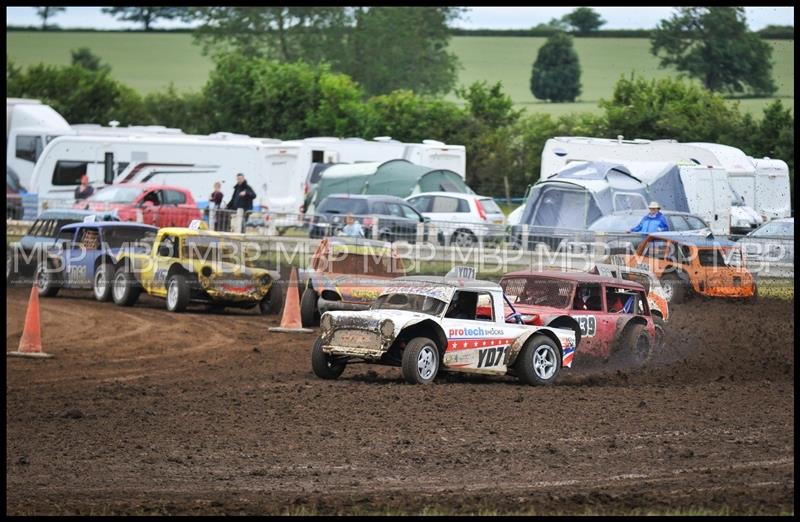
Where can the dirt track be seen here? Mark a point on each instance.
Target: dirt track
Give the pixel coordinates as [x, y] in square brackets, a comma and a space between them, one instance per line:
[143, 411]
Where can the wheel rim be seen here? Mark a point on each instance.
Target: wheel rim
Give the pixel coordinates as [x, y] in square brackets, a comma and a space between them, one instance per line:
[119, 287]
[41, 278]
[172, 293]
[463, 239]
[667, 290]
[99, 285]
[544, 362]
[426, 362]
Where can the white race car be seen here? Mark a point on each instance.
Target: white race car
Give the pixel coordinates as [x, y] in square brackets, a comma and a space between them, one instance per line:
[424, 324]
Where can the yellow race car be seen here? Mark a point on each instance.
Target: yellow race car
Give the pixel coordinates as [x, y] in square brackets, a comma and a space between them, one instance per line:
[186, 265]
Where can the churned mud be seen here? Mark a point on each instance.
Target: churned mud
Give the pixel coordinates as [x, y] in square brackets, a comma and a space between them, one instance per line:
[142, 411]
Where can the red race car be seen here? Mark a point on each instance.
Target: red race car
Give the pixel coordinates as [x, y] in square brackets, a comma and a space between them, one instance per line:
[159, 205]
[610, 317]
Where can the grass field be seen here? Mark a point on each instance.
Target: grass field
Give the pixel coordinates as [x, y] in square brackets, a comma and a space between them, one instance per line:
[150, 62]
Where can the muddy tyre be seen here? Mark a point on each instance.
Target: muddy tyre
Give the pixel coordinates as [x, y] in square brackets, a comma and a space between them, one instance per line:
[323, 365]
[309, 315]
[271, 304]
[102, 283]
[660, 333]
[421, 361]
[125, 290]
[675, 288]
[539, 361]
[48, 282]
[634, 347]
[177, 293]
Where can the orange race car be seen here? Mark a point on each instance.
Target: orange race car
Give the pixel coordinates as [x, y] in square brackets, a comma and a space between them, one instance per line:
[688, 265]
[346, 274]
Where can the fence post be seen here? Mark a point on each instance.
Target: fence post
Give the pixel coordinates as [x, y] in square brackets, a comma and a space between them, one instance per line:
[420, 233]
[524, 237]
[139, 216]
[212, 218]
[375, 227]
[237, 221]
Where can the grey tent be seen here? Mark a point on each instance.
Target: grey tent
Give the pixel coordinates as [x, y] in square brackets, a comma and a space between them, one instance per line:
[397, 177]
[582, 193]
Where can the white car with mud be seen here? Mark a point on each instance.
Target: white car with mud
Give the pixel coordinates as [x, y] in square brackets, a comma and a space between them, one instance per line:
[426, 324]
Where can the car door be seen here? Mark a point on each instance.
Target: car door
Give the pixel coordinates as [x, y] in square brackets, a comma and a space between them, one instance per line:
[402, 227]
[150, 204]
[174, 210]
[477, 342]
[63, 248]
[591, 317]
[86, 248]
[167, 252]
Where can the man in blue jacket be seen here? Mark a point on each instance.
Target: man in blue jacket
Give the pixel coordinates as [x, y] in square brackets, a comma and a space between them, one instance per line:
[652, 222]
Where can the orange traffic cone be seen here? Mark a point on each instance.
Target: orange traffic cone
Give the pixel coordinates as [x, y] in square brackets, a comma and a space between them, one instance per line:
[30, 344]
[290, 322]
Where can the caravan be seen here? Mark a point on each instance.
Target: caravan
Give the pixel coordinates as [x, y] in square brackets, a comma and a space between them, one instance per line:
[772, 194]
[191, 162]
[559, 152]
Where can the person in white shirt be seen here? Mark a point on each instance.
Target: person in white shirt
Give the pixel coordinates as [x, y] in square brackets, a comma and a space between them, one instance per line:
[352, 227]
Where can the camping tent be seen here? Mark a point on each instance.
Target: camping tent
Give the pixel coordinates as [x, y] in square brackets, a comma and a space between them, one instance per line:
[396, 177]
[582, 193]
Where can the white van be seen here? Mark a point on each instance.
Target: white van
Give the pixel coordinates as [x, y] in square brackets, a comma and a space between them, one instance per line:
[772, 195]
[30, 125]
[192, 162]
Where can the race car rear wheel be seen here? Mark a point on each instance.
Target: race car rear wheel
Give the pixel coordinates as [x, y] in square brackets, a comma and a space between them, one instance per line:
[125, 290]
[420, 361]
[101, 286]
[539, 361]
[47, 280]
[323, 365]
[309, 315]
[177, 293]
[634, 346]
[271, 304]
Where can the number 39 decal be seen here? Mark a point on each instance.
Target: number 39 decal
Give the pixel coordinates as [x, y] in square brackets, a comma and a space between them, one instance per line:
[588, 325]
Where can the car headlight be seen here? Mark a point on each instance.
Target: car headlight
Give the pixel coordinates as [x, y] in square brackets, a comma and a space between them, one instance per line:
[387, 328]
[326, 322]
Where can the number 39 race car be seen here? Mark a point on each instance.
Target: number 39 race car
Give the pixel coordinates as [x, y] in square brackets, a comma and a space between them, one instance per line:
[427, 324]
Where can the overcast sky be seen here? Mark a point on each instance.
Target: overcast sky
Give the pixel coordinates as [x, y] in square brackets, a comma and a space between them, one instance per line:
[474, 18]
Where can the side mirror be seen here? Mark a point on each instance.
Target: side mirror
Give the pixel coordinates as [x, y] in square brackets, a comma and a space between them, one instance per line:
[425, 219]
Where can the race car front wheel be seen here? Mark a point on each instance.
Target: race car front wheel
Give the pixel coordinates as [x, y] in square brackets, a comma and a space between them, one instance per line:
[177, 293]
[102, 282]
[420, 361]
[324, 365]
[539, 361]
[126, 290]
[47, 280]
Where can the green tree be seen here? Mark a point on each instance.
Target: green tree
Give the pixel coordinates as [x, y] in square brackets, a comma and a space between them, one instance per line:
[584, 20]
[714, 45]
[144, 15]
[47, 12]
[556, 74]
[403, 48]
[80, 95]
[381, 48]
[85, 58]
[555, 24]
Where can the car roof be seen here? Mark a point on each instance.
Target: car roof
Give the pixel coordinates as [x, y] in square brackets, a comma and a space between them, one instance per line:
[577, 277]
[462, 284]
[698, 241]
[108, 224]
[73, 214]
[148, 186]
[368, 197]
[643, 211]
[459, 195]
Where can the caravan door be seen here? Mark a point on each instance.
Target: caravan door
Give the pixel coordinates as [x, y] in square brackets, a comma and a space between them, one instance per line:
[709, 196]
[281, 188]
[772, 194]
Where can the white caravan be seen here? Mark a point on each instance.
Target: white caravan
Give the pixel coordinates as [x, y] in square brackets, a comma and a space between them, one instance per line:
[560, 151]
[192, 162]
[429, 153]
[772, 194]
[30, 125]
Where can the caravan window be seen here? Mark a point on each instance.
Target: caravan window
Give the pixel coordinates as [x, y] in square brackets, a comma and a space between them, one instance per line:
[69, 172]
[565, 209]
[629, 201]
[29, 148]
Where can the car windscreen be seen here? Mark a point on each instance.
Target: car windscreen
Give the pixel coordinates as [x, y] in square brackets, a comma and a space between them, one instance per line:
[775, 229]
[538, 291]
[140, 238]
[343, 206]
[116, 195]
[358, 264]
[615, 223]
[410, 302]
[211, 249]
[490, 207]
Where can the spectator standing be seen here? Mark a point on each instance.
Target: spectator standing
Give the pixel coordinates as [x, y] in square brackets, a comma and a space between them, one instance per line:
[243, 195]
[84, 190]
[215, 202]
[652, 222]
